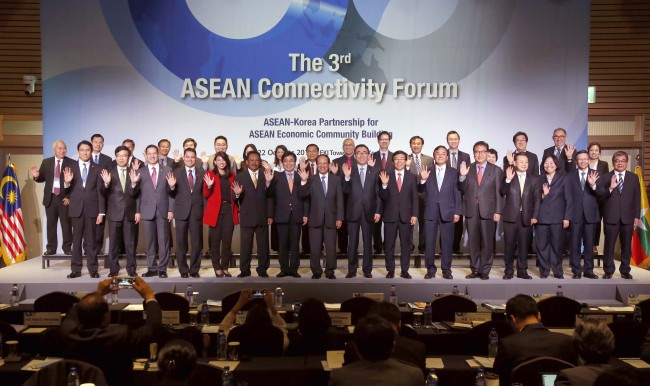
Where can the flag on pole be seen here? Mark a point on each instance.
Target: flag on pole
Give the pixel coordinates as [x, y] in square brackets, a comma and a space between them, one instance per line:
[12, 231]
[641, 236]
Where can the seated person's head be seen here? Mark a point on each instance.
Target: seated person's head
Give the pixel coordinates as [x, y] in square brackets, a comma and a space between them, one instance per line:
[594, 341]
[313, 317]
[374, 337]
[259, 315]
[92, 311]
[177, 360]
[388, 311]
[520, 309]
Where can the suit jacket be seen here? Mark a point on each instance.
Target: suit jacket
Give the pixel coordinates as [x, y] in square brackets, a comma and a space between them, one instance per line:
[362, 200]
[462, 157]
[188, 201]
[625, 206]
[177, 165]
[254, 206]
[484, 200]
[324, 210]
[602, 167]
[169, 161]
[344, 160]
[425, 160]
[405, 350]
[111, 347]
[533, 341]
[233, 166]
[88, 200]
[154, 201]
[446, 202]
[563, 164]
[528, 202]
[400, 206]
[142, 163]
[389, 161]
[558, 204]
[580, 375]
[585, 203]
[213, 203]
[46, 174]
[533, 163]
[121, 203]
[105, 162]
[288, 206]
[387, 372]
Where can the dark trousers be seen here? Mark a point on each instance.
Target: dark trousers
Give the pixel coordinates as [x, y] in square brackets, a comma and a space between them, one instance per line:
[54, 212]
[624, 233]
[516, 236]
[405, 239]
[582, 234]
[288, 244]
[261, 235]
[83, 231]
[305, 239]
[121, 232]
[318, 236]
[377, 241]
[221, 240]
[550, 244]
[99, 237]
[458, 234]
[274, 237]
[431, 228]
[353, 245]
[193, 227]
[481, 239]
[156, 234]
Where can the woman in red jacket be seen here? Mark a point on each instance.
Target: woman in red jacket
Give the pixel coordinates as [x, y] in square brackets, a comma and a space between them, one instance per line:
[221, 215]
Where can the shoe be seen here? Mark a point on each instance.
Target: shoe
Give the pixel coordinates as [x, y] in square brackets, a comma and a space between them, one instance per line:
[507, 276]
[456, 251]
[607, 276]
[367, 275]
[101, 252]
[330, 276]
[227, 274]
[543, 276]
[447, 276]
[263, 274]
[67, 253]
[150, 274]
[626, 276]
[244, 274]
[49, 253]
[524, 276]
[485, 277]
[558, 276]
[429, 275]
[576, 276]
[218, 273]
[405, 275]
[315, 277]
[296, 275]
[377, 251]
[390, 275]
[162, 275]
[473, 275]
[184, 275]
[73, 275]
[112, 274]
[133, 274]
[195, 275]
[350, 275]
[281, 274]
[590, 275]
[94, 275]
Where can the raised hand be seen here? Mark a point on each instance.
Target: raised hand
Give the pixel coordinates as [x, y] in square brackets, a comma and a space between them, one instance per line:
[614, 182]
[346, 170]
[135, 177]
[409, 161]
[592, 177]
[237, 161]
[510, 173]
[135, 164]
[209, 181]
[371, 161]
[171, 180]
[510, 155]
[204, 158]
[383, 176]
[303, 174]
[177, 155]
[545, 190]
[106, 176]
[424, 172]
[67, 175]
[268, 174]
[463, 169]
[34, 171]
[569, 150]
[334, 168]
[236, 188]
[266, 164]
[302, 163]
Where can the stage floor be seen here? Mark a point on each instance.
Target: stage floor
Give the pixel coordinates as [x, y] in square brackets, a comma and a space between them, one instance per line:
[35, 281]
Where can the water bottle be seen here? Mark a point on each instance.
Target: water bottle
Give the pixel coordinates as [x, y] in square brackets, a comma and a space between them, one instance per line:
[455, 290]
[480, 378]
[493, 343]
[432, 378]
[226, 377]
[392, 295]
[559, 291]
[73, 377]
[277, 297]
[222, 346]
[205, 314]
[427, 316]
[638, 314]
[296, 312]
[15, 295]
[189, 295]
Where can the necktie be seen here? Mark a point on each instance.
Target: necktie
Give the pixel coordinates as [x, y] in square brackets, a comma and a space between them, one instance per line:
[383, 161]
[123, 179]
[190, 180]
[399, 182]
[255, 179]
[161, 161]
[620, 183]
[290, 180]
[362, 176]
[454, 160]
[349, 162]
[322, 181]
[57, 175]
[521, 184]
[96, 159]
[582, 180]
[439, 178]
[154, 177]
[480, 174]
[417, 164]
[312, 169]
[84, 175]
[557, 152]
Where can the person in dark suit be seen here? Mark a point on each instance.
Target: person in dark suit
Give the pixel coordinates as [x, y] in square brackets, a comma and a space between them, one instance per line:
[582, 187]
[54, 198]
[178, 157]
[595, 163]
[414, 164]
[290, 213]
[442, 209]
[131, 145]
[405, 350]
[255, 214]
[399, 194]
[88, 336]
[363, 209]
[325, 192]
[622, 207]
[164, 147]
[85, 189]
[520, 207]
[561, 150]
[348, 159]
[455, 159]
[312, 151]
[104, 162]
[520, 139]
[120, 211]
[480, 184]
[532, 340]
[554, 215]
[155, 208]
[381, 159]
[188, 213]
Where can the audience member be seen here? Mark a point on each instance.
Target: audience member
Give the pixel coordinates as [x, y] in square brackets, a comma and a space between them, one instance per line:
[176, 361]
[315, 334]
[620, 376]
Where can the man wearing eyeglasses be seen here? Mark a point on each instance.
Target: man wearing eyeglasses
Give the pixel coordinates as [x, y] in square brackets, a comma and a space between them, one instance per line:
[561, 150]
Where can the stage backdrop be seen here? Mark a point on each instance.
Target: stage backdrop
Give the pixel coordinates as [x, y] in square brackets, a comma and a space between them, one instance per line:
[294, 72]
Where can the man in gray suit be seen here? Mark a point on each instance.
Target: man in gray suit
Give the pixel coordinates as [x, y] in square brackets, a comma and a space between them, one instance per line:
[414, 164]
[480, 184]
[155, 208]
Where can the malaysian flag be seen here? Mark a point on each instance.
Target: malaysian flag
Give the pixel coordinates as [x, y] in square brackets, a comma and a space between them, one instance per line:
[12, 231]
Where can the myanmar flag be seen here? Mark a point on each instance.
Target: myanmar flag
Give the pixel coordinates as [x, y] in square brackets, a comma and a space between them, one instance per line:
[641, 236]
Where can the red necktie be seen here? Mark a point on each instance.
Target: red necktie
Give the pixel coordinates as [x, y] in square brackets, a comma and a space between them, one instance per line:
[349, 162]
[399, 182]
[190, 179]
[57, 175]
[154, 178]
[480, 174]
[383, 161]
[312, 168]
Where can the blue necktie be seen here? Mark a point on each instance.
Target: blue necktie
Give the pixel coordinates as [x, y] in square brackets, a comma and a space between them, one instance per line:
[322, 179]
[84, 175]
[96, 159]
[620, 183]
